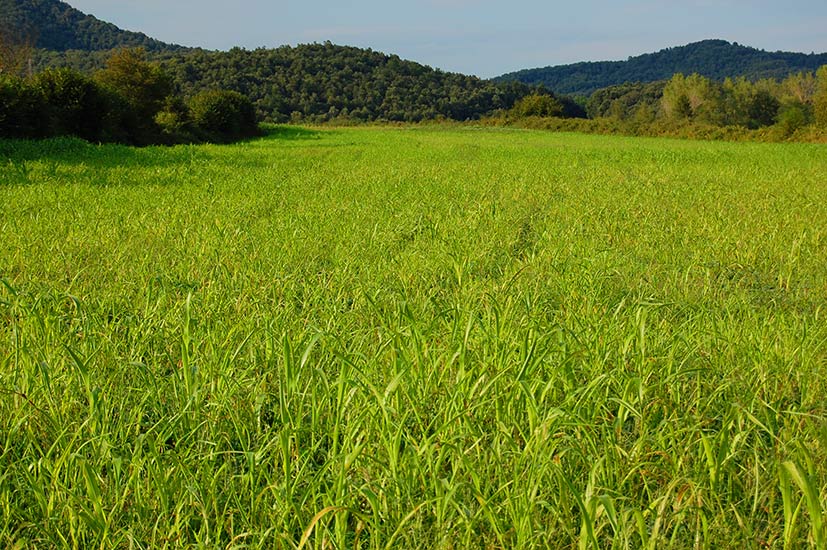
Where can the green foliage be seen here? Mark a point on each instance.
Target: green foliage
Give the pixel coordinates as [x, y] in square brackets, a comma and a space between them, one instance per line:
[624, 101]
[763, 109]
[424, 338]
[537, 105]
[714, 59]
[324, 82]
[690, 96]
[175, 121]
[792, 117]
[653, 109]
[223, 115]
[744, 103]
[321, 82]
[800, 87]
[73, 104]
[820, 98]
[16, 47]
[144, 86]
[60, 27]
[132, 101]
[312, 82]
[22, 112]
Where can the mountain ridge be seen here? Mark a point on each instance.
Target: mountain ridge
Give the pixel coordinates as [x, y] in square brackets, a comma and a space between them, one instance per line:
[56, 26]
[59, 27]
[714, 58]
[313, 82]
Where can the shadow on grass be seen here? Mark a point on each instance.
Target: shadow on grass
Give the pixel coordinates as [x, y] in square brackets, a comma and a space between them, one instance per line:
[291, 133]
[17, 156]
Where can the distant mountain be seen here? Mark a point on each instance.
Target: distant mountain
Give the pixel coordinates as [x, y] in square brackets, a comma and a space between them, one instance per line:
[716, 59]
[59, 27]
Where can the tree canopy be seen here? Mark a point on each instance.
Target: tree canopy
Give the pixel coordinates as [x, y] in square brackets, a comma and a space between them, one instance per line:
[714, 59]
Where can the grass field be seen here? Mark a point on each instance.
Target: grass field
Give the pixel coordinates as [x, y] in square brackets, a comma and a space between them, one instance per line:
[414, 338]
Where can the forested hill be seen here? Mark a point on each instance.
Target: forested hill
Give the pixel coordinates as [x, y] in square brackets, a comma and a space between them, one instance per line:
[715, 59]
[324, 81]
[57, 26]
[314, 82]
[320, 82]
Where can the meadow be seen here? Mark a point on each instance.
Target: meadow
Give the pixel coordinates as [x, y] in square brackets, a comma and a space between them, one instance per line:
[414, 338]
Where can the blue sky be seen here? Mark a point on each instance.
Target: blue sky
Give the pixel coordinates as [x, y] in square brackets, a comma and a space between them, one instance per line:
[482, 37]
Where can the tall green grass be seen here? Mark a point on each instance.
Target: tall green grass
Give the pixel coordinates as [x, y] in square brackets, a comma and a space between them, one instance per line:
[413, 338]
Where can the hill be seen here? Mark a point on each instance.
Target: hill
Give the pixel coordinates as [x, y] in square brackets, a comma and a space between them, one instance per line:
[313, 82]
[324, 81]
[716, 59]
[57, 26]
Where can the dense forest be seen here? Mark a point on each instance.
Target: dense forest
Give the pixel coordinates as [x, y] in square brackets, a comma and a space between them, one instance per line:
[800, 97]
[341, 84]
[714, 59]
[323, 82]
[312, 82]
[694, 106]
[56, 26]
[320, 82]
[130, 101]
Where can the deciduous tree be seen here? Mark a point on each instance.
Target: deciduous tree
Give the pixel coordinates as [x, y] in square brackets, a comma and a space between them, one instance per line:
[537, 105]
[820, 98]
[16, 49]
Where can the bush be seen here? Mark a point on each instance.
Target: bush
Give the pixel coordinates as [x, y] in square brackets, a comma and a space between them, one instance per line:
[820, 99]
[222, 115]
[175, 121]
[142, 89]
[537, 105]
[763, 109]
[21, 110]
[131, 102]
[74, 104]
[791, 118]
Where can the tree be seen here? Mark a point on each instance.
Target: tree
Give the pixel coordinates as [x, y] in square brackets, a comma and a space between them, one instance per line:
[735, 100]
[21, 109]
[763, 109]
[537, 105]
[689, 97]
[16, 49]
[224, 115]
[675, 101]
[145, 88]
[792, 117]
[175, 121]
[820, 98]
[73, 104]
[799, 87]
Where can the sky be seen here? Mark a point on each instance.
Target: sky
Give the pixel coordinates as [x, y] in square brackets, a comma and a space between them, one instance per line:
[481, 37]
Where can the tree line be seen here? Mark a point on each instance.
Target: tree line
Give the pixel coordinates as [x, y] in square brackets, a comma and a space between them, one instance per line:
[715, 59]
[318, 83]
[130, 101]
[787, 105]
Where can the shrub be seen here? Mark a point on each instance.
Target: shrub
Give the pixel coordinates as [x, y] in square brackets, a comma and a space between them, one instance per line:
[537, 105]
[222, 115]
[792, 117]
[21, 110]
[144, 85]
[74, 104]
[175, 121]
[143, 89]
[820, 99]
[763, 109]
